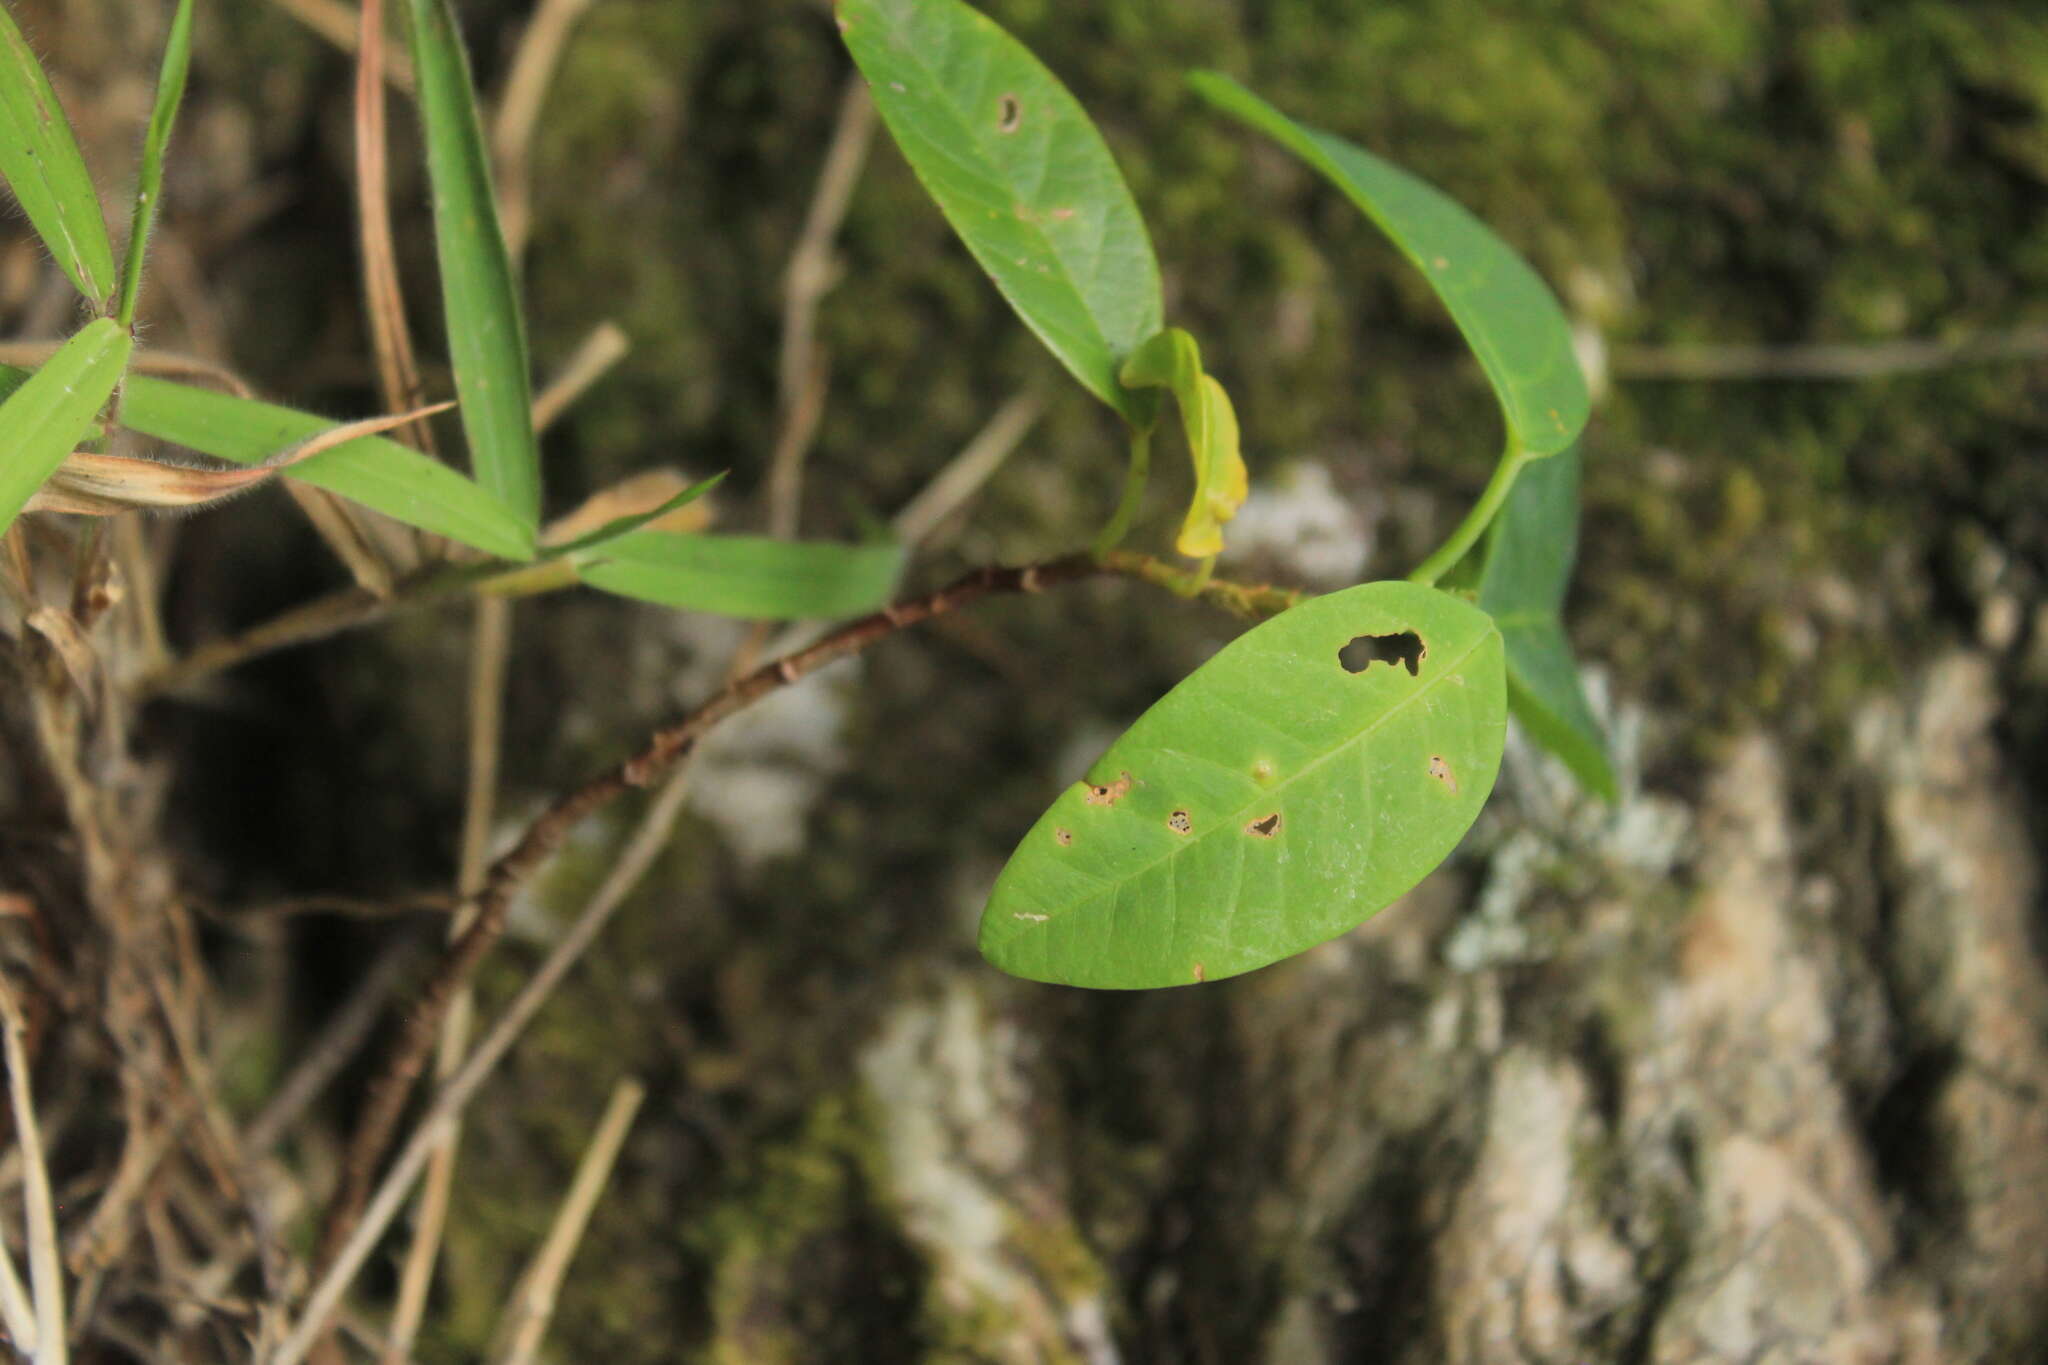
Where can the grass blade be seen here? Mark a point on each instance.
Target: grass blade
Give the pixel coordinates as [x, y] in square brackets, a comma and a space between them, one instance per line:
[372, 470]
[39, 158]
[43, 418]
[149, 184]
[751, 577]
[1507, 314]
[486, 338]
[1022, 174]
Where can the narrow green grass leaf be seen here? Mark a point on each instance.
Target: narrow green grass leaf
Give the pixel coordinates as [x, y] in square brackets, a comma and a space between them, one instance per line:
[39, 158]
[1528, 566]
[1508, 315]
[149, 182]
[1314, 770]
[486, 337]
[1022, 174]
[378, 473]
[622, 526]
[746, 576]
[1171, 360]
[43, 418]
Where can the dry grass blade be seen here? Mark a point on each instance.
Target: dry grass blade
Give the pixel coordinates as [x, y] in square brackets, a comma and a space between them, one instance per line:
[164, 364]
[398, 374]
[648, 840]
[533, 68]
[17, 1314]
[93, 485]
[526, 1315]
[490, 649]
[605, 347]
[45, 1269]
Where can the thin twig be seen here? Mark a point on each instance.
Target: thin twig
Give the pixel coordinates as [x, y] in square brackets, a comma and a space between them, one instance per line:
[533, 69]
[964, 475]
[808, 278]
[336, 23]
[1872, 360]
[490, 647]
[605, 347]
[542, 837]
[646, 844]
[337, 1043]
[525, 1319]
[45, 1267]
[398, 372]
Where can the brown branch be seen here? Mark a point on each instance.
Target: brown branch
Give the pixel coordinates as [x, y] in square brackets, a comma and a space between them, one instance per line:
[403, 1064]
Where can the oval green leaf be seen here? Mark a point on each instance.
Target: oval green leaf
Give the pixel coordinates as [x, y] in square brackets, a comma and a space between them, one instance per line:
[39, 157]
[486, 337]
[1508, 315]
[46, 415]
[378, 473]
[752, 577]
[1171, 360]
[1022, 174]
[1271, 801]
[1529, 554]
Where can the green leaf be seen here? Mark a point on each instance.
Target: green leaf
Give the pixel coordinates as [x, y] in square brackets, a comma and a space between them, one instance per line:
[1508, 315]
[1271, 801]
[149, 181]
[1529, 555]
[378, 473]
[45, 415]
[39, 157]
[622, 526]
[1172, 360]
[486, 338]
[1023, 176]
[751, 577]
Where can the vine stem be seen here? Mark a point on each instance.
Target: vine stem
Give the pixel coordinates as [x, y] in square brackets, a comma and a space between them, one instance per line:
[1134, 493]
[1461, 540]
[661, 751]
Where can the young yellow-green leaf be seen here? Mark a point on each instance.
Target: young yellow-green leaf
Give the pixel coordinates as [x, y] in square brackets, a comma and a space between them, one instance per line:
[1271, 801]
[486, 337]
[752, 577]
[1528, 565]
[378, 473]
[1171, 360]
[149, 180]
[45, 415]
[40, 160]
[1509, 316]
[1022, 174]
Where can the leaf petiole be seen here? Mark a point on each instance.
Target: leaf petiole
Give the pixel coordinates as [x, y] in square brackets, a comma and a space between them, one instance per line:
[1134, 493]
[1461, 540]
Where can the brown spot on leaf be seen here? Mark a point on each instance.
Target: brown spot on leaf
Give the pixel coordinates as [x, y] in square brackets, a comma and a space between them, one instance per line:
[1403, 647]
[1179, 822]
[1262, 772]
[1063, 837]
[1264, 828]
[1111, 794]
[1440, 769]
[1201, 972]
[1062, 215]
[1010, 114]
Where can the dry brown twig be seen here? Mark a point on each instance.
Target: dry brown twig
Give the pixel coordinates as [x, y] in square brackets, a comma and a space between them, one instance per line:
[45, 1267]
[532, 1303]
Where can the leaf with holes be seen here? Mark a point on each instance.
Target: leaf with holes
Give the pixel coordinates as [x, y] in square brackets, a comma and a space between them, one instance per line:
[1172, 360]
[1529, 555]
[40, 160]
[1022, 174]
[46, 414]
[1508, 315]
[752, 577]
[1313, 771]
